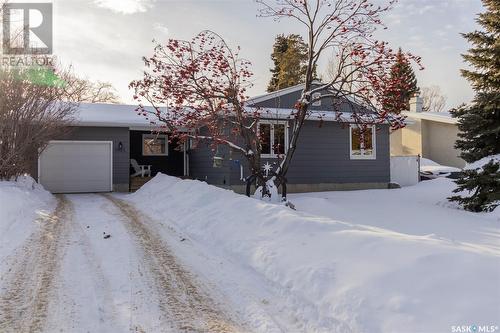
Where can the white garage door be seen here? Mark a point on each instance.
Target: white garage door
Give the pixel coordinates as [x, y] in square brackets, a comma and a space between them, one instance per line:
[77, 166]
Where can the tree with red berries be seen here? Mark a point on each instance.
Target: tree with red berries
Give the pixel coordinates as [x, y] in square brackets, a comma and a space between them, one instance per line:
[361, 73]
[203, 82]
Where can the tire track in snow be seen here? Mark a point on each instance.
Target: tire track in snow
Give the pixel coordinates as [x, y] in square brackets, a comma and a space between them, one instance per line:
[181, 298]
[28, 284]
[89, 259]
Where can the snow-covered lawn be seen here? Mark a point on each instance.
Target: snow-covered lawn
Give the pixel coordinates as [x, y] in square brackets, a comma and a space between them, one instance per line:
[366, 261]
[183, 254]
[420, 210]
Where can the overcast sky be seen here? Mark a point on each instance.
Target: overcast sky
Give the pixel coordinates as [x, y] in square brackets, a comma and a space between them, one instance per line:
[105, 39]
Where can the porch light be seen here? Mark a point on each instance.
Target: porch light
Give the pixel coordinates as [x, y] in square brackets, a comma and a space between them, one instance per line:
[218, 161]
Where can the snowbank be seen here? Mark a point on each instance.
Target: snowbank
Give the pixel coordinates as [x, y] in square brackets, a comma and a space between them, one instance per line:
[338, 276]
[21, 204]
[480, 163]
[430, 168]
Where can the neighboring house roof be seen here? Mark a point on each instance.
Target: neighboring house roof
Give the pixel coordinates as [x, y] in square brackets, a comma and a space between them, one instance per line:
[442, 117]
[113, 115]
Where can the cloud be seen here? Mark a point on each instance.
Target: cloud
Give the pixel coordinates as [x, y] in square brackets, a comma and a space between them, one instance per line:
[161, 28]
[125, 6]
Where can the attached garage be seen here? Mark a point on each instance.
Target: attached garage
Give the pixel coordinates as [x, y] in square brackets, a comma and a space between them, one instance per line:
[77, 166]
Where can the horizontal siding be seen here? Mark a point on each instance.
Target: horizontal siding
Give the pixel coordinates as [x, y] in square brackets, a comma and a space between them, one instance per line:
[201, 165]
[288, 101]
[322, 156]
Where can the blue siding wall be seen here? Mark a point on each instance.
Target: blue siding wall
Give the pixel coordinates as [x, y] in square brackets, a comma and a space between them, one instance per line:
[322, 156]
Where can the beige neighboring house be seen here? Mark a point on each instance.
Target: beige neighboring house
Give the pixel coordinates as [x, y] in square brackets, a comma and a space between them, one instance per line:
[429, 134]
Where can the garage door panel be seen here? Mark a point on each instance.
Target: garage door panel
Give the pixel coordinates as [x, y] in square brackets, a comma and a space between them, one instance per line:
[76, 167]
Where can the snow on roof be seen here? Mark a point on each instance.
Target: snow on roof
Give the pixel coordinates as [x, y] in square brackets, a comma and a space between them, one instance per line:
[115, 115]
[279, 113]
[443, 117]
[121, 115]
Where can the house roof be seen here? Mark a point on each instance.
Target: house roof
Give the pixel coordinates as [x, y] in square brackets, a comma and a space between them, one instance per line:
[278, 93]
[274, 94]
[113, 115]
[442, 117]
[280, 113]
[122, 115]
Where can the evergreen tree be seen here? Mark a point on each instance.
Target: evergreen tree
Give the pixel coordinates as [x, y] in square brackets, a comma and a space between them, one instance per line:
[290, 62]
[404, 84]
[484, 184]
[479, 123]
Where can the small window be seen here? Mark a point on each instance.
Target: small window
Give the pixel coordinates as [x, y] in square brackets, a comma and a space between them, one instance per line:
[154, 145]
[318, 102]
[273, 138]
[265, 138]
[362, 142]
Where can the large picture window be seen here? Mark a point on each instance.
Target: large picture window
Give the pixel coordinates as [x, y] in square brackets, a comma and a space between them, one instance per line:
[362, 142]
[154, 145]
[274, 138]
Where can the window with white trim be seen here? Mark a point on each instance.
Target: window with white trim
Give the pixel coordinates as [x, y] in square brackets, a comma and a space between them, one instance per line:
[362, 142]
[154, 145]
[273, 138]
[318, 102]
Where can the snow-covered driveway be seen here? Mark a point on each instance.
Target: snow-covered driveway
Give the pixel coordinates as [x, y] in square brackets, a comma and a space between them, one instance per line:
[28, 284]
[98, 265]
[184, 256]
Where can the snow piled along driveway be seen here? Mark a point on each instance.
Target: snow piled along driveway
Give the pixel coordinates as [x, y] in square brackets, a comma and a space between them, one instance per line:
[98, 265]
[183, 256]
[338, 273]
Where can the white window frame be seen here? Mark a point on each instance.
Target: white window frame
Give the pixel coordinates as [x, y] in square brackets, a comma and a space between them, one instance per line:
[155, 136]
[318, 102]
[272, 123]
[372, 156]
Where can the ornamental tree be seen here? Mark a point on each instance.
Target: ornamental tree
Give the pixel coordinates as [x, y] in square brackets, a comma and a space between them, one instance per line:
[361, 73]
[202, 83]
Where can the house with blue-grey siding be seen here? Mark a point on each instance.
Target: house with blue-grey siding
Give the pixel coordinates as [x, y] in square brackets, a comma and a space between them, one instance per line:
[328, 157]
[110, 147]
